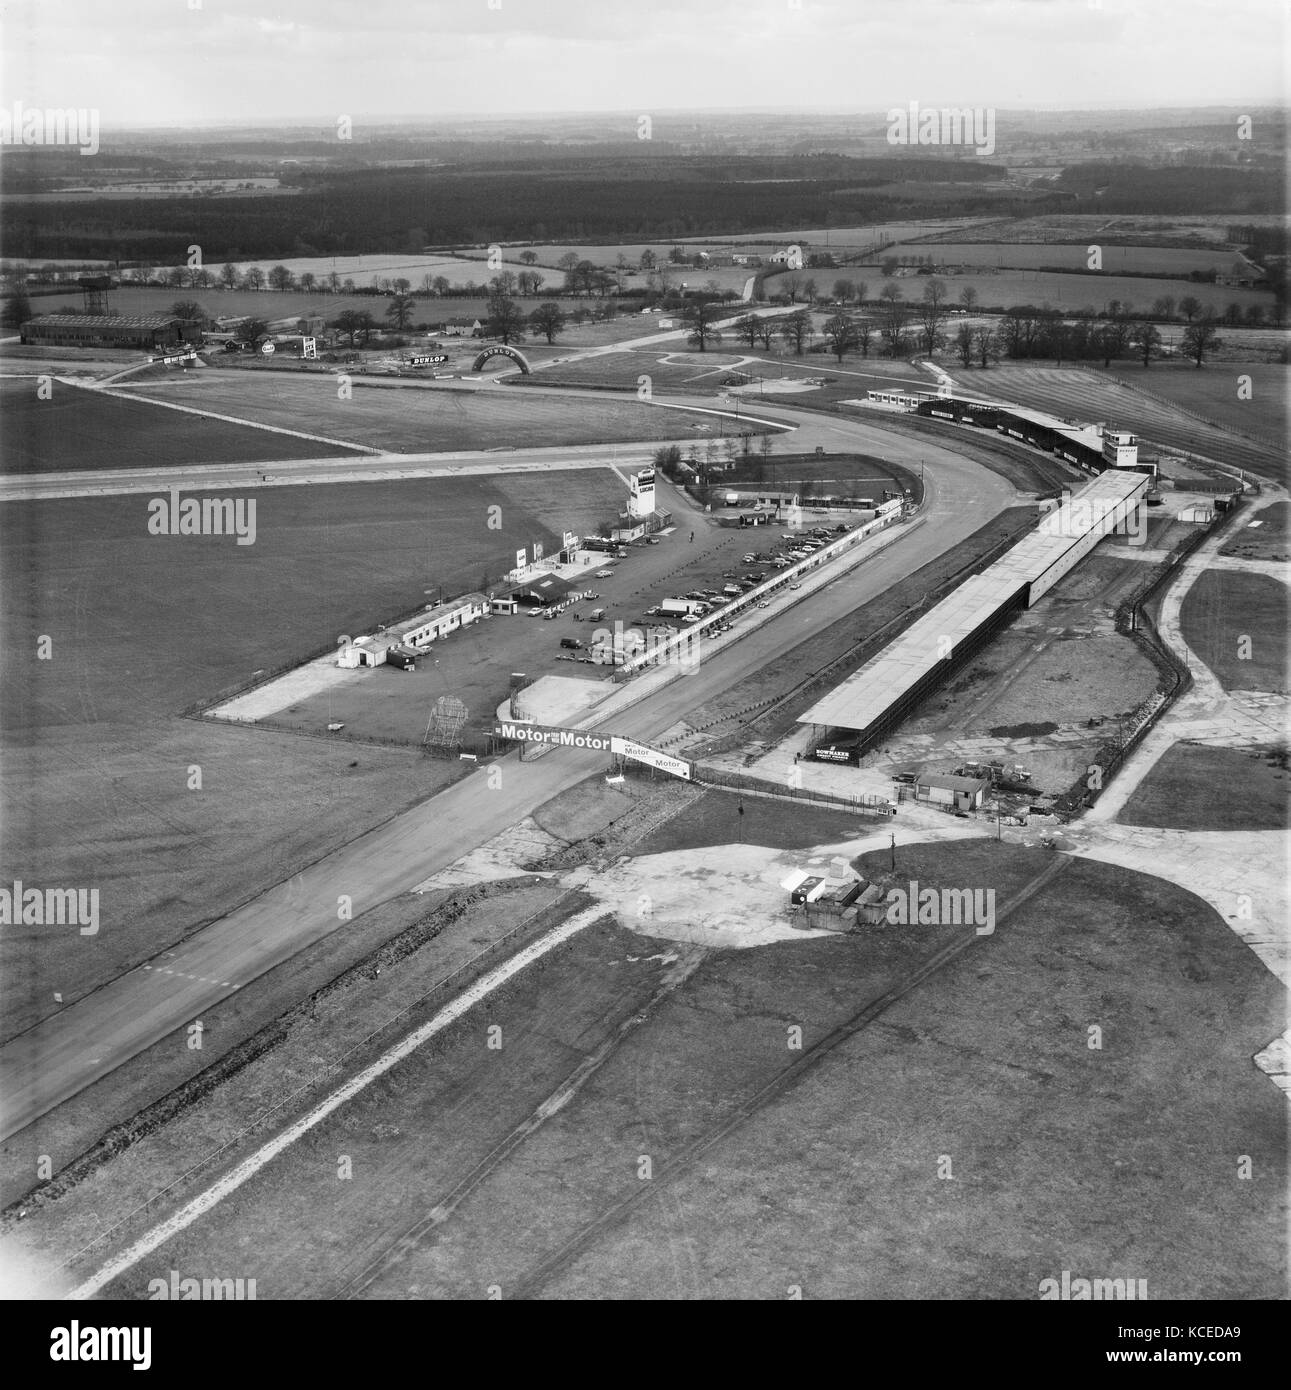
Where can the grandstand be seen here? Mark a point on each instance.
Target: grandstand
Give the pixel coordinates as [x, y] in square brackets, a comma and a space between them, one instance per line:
[1095, 448]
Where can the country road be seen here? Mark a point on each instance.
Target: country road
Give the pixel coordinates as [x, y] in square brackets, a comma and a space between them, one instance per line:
[58, 1057]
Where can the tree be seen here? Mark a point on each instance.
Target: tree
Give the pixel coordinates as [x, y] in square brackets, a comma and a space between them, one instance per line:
[1111, 340]
[964, 344]
[228, 275]
[254, 278]
[864, 332]
[892, 315]
[333, 282]
[1163, 307]
[793, 287]
[250, 330]
[528, 257]
[841, 334]
[568, 261]
[401, 285]
[399, 310]
[1233, 314]
[548, 319]
[352, 322]
[1149, 339]
[648, 260]
[17, 308]
[1190, 307]
[1255, 314]
[280, 278]
[441, 285]
[503, 284]
[189, 310]
[700, 315]
[307, 281]
[968, 297]
[931, 314]
[809, 291]
[747, 328]
[505, 320]
[1200, 338]
[889, 265]
[176, 279]
[796, 329]
[858, 292]
[987, 347]
[766, 330]
[200, 279]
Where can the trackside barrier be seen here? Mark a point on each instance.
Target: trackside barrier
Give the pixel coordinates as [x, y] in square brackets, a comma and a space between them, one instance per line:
[720, 779]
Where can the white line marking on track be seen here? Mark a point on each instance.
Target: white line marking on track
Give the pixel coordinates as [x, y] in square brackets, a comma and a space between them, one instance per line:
[267, 1152]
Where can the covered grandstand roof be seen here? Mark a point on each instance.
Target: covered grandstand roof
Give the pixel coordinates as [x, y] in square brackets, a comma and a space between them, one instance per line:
[103, 320]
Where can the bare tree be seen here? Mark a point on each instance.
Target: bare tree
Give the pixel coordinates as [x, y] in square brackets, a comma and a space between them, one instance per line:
[700, 315]
[796, 329]
[1190, 307]
[1200, 338]
[968, 297]
[841, 334]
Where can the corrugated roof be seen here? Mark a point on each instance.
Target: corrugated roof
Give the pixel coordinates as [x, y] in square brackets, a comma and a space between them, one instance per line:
[103, 320]
[870, 692]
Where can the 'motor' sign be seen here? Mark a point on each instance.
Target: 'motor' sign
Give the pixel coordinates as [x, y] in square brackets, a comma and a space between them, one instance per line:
[544, 733]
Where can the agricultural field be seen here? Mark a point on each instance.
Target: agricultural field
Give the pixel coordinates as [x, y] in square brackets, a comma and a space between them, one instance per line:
[78, 430]
[1117, 260]
[795, 1153]
[416, 419]
[1195, 787]
[270, 304]
[1143, 228]
[1223, 608]
[96, 760]
[999, 290]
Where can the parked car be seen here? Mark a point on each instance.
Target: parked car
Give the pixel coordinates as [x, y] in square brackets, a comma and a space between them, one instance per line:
[795, 586]
[750, 559]
[571, 642]
[652, 540]
[604, 574]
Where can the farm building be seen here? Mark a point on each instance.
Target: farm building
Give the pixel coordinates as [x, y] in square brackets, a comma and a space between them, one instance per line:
[459, 328]
[148, 331]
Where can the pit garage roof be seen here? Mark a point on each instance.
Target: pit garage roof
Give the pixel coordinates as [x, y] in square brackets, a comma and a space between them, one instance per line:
[1069, 524]
[867, 694]
[546, 588]
[871, 691]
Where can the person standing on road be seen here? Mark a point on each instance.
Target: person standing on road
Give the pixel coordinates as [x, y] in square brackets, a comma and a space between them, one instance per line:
[692, 538]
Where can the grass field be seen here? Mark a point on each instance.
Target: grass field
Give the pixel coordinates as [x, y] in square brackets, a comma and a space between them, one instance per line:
[1213, 393]
[1146, 228]
[1227, 614]
[270, 304]
[1117, 260]
[1062, 1156]
[1194, 787]
[416, 420]
[1005, 289]
[1267, 541]
[96, 765]
[78, 430]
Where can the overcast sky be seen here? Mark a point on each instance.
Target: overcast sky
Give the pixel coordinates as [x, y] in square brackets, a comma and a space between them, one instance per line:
[159, 62]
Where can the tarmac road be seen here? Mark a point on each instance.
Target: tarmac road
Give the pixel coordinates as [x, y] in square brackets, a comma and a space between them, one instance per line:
[62, 1055]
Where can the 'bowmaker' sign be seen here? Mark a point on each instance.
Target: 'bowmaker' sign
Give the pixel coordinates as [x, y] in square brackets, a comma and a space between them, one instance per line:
[544, 733]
